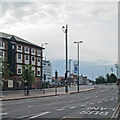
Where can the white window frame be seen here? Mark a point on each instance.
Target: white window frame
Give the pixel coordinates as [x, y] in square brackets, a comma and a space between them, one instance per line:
[19, 67]
[2, 44]
[28, 49]
[32, 49]
[19, 50]
[38, 52]
[19, 56]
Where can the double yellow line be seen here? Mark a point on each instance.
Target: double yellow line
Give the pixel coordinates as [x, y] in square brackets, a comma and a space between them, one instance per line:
[116, 112]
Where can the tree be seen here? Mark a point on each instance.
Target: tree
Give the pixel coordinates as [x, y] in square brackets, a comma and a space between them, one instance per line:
[113, 78]
[4, 67]
[108, 78]
[100, 80]
[28, 75]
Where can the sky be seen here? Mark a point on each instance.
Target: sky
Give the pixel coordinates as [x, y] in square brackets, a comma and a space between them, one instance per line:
[95, 23]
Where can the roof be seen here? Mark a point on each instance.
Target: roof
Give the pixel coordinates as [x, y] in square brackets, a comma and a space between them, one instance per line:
[18, 39]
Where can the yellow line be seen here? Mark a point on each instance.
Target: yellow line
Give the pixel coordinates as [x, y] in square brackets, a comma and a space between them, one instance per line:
[115, 111]
[63, 117]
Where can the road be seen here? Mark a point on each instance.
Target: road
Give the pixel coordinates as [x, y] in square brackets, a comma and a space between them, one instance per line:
[99, 103]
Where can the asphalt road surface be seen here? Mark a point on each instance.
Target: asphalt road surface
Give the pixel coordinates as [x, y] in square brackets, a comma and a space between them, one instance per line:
[99, 103]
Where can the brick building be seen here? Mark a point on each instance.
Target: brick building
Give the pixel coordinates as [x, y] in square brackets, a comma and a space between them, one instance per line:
[19, 52]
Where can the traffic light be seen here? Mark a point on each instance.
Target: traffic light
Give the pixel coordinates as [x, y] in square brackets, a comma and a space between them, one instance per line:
[65, 76]
[56, 74]
[44, 77]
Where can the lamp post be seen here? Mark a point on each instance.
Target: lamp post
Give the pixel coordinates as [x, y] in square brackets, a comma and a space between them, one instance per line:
[65, 30]
[70, 72]
[70, 66]
[78, 62]
[116, 65]
[42, 64]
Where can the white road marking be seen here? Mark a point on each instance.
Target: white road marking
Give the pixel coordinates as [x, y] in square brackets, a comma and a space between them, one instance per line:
[83, 105]
[116, 98]
[91, 103]
[65, 106]
[60, 109]
[3, 113]
[111, 99]
[29, 106]
[73, 107]
[113, 109]
[44, 113]
[100, 102]
[105, 100]
[25, 116]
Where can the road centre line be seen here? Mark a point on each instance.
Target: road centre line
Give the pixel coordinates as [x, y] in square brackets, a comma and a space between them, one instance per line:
[44, 113]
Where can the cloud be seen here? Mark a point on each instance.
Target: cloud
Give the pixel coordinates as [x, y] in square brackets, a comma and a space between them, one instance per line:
[95, 23]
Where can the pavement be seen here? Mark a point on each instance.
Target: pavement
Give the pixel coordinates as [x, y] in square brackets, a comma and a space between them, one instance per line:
[20, 96]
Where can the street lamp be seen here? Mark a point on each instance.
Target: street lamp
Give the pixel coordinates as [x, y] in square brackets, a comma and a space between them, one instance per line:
[65, 30]
[42, 62]
[70, 66]
[78, 62]
[116, 65]
[44, 44]
[70, 72]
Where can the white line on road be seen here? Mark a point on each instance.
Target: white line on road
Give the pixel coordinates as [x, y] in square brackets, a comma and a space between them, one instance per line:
[3, 113]
[83, 105]
[29, 106]
[92, 103]
[60, 109]
[44, 113]
[73, 107]
[25, 116]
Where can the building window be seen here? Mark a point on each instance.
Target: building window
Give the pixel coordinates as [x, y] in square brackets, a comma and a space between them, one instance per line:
[38, 52]
[33, 59]
[19, 47]
[38, 72]
[33, 50]
[1, 44]
[13, 47]
[19, 56]
[19, 70]
[26, 57]
[38, 59]
[1, 53]
[26, 49]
